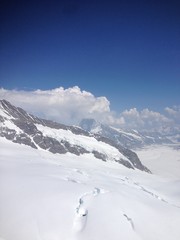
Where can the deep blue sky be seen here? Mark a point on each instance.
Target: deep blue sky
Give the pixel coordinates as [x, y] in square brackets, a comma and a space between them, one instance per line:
[128, 51]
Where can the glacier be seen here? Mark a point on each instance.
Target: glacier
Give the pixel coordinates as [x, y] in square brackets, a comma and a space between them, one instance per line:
[46, 196]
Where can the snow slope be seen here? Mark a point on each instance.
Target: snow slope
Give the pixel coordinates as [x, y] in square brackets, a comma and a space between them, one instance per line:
[45, 196]
[91, 144]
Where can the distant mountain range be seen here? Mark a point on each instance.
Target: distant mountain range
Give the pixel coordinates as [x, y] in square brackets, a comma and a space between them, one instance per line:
[102, 142]
[132, 139]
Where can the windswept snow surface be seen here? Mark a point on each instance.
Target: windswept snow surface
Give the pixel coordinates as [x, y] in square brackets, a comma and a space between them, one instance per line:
[45, 196]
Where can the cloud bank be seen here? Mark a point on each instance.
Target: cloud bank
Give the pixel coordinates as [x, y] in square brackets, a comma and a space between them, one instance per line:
[61, 105]
[71, 105]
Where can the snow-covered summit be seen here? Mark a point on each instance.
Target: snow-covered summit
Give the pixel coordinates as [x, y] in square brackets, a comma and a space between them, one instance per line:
[128, 138]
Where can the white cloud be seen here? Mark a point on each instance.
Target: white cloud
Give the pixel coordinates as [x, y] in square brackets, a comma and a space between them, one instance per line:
[170, 111]
[62, 105]
[70, 105]
[174, 113]
[145, 119]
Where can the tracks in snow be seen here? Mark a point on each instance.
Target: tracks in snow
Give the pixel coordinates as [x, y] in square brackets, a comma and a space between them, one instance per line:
[129, 220]
[81, 213]
[128, 181]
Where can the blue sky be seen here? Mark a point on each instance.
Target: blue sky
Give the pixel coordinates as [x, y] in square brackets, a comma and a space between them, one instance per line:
[128, 51]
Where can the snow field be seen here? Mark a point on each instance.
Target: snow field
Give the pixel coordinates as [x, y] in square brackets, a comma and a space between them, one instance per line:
[45, 196]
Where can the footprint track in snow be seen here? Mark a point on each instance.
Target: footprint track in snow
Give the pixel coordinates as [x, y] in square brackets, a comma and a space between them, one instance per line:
[130, 182]
[129, 220]
[81, 213]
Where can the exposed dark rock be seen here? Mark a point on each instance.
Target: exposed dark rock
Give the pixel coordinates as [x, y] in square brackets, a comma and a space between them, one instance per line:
[125, 163]
[77, 150]
[24, 139]
[26, 126]
[48, 143]
[7, 133]
[99, 155]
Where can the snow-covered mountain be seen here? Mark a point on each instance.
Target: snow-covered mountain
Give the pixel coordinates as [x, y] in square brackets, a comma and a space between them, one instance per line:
[23, 128]
[73, 195]
[128, 138]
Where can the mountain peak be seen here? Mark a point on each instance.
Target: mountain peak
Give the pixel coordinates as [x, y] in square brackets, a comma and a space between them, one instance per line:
[127, 138]
[90, 125]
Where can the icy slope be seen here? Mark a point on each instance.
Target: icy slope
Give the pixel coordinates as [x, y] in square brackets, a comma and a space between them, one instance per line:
[45, 196]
